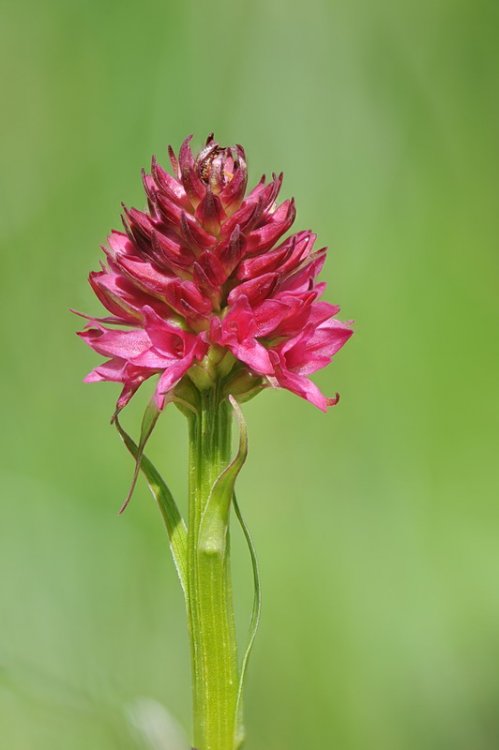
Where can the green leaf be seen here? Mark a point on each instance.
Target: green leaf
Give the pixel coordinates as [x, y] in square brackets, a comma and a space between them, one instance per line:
[175, 525]
[215, 519]
[149, 420]
[254, 622]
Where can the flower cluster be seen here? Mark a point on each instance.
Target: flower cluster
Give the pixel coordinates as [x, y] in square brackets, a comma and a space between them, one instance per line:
[201, 285]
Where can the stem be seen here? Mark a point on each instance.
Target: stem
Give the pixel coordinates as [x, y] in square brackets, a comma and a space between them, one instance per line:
[210, 606]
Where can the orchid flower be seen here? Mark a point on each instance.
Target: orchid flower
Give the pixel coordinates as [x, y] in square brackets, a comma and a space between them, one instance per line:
[206, 291]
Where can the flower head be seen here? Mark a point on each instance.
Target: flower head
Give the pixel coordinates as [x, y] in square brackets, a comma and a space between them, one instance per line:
[203, 286]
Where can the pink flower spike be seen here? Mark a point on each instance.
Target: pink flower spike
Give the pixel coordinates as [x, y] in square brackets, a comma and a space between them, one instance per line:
[204, 272]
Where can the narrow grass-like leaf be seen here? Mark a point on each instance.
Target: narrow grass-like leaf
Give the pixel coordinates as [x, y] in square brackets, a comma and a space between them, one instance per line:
[175, 525]
[149, 420]
[254, 622]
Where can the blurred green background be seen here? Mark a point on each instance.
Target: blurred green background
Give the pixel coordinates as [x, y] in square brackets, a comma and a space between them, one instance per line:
[377, 526]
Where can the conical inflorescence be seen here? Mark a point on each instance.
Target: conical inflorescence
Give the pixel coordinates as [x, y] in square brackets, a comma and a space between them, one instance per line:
[202, 285]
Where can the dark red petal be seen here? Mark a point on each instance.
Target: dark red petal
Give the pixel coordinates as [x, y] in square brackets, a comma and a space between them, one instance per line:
[256, 290]
[174, 161]
[284, 258]
[246, 217]
[210, 213]
[233, 192]
[138, 225]
[212, 267]
[170, 253]
[283, 315]
[202, 280]
[303, 279]
[298, 384]
[173, 189]
[186, 297]
[266, 194]
[150, 191]
[194, 235]
[261, 240]
[143, 274]
[232, 250]
[118, 295]
[194, 187]
[170, 211]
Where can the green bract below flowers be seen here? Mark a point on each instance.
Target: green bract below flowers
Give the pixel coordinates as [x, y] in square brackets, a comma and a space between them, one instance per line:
[203, 292]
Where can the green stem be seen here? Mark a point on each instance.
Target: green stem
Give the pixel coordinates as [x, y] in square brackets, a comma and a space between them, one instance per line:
[210, 606]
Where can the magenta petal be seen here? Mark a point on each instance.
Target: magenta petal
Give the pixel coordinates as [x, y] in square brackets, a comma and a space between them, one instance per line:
[284, 315]
[300, 385]
[231, 250]
[322, 311]
[167, 184]
[264, 193]
[124, 344]
[121, 297]
[171, 376]
[263, 238]
[210, 213]
[139, 226]
[213, 268]
[232, 195]
[253, 354]
[111, 371]
[146, 275]
[237, 332]
[255, 290]
[194, 234]
[300, 280]
[194, 188]
[174, 161]
[118, 300]
[168, 252]
[120, 243]
[283, 259]
[118, 371]
[153, 360]
[320, 348]
[246, 218]
[168, 209]
[314, 347]
[171, 340]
